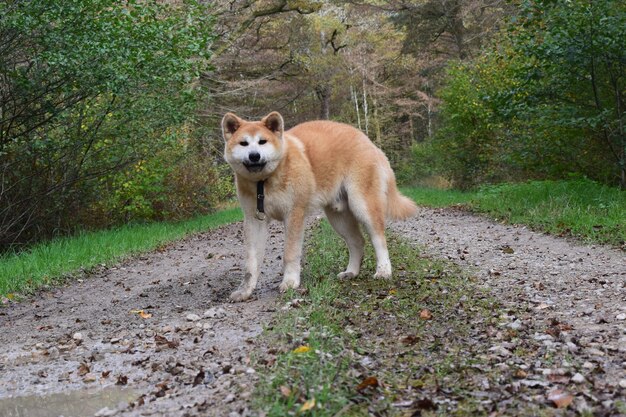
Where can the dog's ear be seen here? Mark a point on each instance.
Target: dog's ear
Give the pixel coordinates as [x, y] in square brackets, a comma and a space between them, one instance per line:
[274, 122]
[230, 124]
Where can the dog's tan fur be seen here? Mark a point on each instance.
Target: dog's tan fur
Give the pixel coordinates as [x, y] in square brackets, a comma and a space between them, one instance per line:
[319, 164]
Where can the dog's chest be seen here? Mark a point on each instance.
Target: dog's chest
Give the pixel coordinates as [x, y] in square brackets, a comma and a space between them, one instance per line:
[278, 204]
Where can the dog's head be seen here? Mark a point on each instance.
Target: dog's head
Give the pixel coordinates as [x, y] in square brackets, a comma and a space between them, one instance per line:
[253, 149]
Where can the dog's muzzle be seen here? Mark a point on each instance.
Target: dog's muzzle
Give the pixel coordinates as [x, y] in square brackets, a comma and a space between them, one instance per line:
[254, 166]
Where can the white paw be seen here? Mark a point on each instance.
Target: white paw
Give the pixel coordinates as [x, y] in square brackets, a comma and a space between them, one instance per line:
[288, 283]
[383, 271]
[346, 275]
[240, 295]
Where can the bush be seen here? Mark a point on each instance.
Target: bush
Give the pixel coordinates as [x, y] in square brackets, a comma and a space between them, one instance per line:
[91, 92]
[544, 101]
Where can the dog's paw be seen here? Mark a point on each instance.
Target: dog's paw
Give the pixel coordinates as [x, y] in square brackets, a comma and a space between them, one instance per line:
[239, 295]
[383, 272]
[346, 275]
[285, 285]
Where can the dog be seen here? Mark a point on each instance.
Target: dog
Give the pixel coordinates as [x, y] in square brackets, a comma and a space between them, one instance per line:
[284, 175]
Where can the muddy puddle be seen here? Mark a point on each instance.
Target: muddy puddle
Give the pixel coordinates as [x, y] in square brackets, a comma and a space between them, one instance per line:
[71, 404]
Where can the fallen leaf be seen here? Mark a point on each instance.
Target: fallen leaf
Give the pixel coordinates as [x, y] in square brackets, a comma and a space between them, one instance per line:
[370, 381]
[426, 314]
[10, 296]
[562, 379]
[83, 369]
[520, 373]
[141, 313]
[507, 249]
[122, 380]
[285, 391]
[425, 404]
[308, 405]
[199, 379]
[302, 349]
[393, 291]
[162, 340]
[408, 340]
[560, 398]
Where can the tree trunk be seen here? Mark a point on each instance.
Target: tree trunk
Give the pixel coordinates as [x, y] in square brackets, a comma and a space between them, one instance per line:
[323, 92]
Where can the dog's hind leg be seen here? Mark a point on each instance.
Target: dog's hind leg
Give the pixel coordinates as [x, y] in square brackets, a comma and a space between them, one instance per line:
[371, 212]
[347, 226]
[255, 236]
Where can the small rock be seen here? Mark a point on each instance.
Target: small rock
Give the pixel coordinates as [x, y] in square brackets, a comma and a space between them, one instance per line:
[192, 317]
[229, 398]
[516, 325]
[622, 383]
[89, 378]
[621, 316]
[533, 383]
[500, 351]
[214, 313]
[366, 361]
[53, 353]
[105, 412]
[78, 337]
[582, 407]
[578, 378]
[588, 365]
[595, 352]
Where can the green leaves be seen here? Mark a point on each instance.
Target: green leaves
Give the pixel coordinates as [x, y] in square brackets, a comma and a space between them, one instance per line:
[90, 87]
[545, 100]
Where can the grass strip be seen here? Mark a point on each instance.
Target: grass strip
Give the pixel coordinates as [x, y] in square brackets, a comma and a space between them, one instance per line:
[580, 208]
[416, 344]
[49, 262]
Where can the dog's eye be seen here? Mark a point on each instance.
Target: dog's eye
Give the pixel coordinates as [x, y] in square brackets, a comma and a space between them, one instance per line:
[244, 143]
[262, 142]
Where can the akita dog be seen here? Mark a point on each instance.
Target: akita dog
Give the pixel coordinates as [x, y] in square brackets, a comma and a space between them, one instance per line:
[320, 164]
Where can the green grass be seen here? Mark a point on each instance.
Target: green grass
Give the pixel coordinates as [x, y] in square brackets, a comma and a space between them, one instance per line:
[49, 262]
[581, 208]
[435, 197]
[367, 327]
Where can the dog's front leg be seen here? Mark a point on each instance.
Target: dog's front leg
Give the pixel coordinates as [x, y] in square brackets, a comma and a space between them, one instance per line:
[294, 226]
[255, 236]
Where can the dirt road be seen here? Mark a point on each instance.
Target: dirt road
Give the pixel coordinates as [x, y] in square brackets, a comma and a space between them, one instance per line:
[155, 335]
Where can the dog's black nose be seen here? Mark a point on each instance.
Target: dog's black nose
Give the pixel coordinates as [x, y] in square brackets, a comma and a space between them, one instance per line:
[254, 156]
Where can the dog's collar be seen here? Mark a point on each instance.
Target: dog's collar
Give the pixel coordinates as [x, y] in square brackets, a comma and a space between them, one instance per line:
[260, 197]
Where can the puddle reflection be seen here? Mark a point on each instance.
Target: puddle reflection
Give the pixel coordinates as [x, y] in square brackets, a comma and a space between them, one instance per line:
[72, 404]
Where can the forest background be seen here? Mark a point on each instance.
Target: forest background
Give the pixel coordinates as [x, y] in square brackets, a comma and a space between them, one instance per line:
[110, 110]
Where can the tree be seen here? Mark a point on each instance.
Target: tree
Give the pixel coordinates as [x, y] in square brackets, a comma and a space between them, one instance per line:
[545, 100]
[88, 88]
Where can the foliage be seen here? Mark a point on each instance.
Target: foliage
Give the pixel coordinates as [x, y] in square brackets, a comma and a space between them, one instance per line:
[50, 262]
[89, 88]
[545, 100]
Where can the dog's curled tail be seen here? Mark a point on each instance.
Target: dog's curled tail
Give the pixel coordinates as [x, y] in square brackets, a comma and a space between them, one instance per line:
[399, 207]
